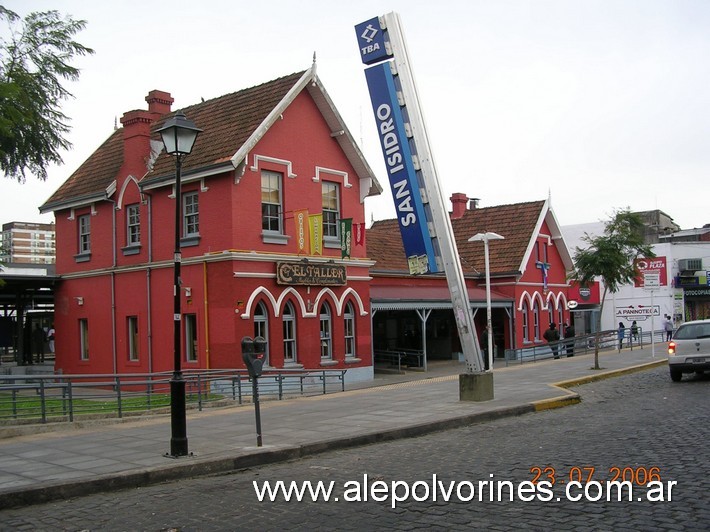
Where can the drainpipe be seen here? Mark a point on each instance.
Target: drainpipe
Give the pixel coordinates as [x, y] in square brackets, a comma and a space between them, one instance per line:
[207, 315]
[148, 279]
[114, 347]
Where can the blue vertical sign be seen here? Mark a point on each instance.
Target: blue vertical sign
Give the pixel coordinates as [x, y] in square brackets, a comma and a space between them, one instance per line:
[402, 175]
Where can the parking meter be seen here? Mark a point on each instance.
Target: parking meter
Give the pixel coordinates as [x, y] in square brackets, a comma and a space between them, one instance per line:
[253, 353]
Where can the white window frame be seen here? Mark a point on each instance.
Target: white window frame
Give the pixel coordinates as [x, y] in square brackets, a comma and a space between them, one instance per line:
[349, 331]
[261, 327]
[190, 214]
[271, 182]
[331, 214]
[133, 225]
[84, 222]
[326, 332]
[289, 334]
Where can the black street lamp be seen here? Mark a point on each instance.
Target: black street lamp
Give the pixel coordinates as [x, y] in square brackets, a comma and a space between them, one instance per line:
[178, 136]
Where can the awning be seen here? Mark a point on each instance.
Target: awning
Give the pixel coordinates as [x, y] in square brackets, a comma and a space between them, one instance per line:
[429, 297]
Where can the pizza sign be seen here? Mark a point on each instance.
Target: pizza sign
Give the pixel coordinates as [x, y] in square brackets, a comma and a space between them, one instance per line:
[648, 268]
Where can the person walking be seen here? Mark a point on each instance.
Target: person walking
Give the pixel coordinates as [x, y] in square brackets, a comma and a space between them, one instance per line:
[552, 336]
[668, 327]
[621, 334]
[569, 339]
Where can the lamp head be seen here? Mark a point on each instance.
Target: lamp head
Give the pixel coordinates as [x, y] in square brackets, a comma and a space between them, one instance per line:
[179, 134]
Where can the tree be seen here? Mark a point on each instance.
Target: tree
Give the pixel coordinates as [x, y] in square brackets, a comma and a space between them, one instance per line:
[611, 257]
[34, 62]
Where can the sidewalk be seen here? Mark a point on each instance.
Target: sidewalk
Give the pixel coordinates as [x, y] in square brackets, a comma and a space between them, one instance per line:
[50, 465]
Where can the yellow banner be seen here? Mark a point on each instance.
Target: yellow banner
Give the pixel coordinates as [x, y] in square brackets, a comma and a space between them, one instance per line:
[315, 223]
[300, 217]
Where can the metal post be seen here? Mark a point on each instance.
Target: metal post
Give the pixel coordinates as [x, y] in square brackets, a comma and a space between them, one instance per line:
[178, 422]
[257, 410]
[489, 327]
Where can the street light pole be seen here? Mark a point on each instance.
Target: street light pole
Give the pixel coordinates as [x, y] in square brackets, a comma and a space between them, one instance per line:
[486, 237]
[178, 136]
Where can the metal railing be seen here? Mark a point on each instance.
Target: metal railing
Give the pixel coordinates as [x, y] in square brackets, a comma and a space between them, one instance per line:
[44, 398]
[583, 345]
[412, 358]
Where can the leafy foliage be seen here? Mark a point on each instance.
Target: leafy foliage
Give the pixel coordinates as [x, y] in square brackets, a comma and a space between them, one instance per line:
[35, 61]
[611, 257]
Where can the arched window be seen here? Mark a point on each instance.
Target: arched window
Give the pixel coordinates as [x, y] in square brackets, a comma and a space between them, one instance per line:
[526, 324]
[289, 325]
[261, 327]
[326, 344]
[536, 320]
[349, 322]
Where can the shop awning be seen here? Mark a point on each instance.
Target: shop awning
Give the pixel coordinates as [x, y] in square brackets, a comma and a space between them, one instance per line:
[429, 297]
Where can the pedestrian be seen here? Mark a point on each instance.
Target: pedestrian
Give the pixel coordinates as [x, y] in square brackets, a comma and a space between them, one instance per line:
[38, 338]
[634, 331]
[569, 337]
[552, 336]
[668, 327]
[621, 333]
[50, 337]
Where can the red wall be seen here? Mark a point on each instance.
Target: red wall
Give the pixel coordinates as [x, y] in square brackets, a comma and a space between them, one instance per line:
[114, 285]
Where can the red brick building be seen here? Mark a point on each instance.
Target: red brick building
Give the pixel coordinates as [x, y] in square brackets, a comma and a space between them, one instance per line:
[529, 288]
[267, 155]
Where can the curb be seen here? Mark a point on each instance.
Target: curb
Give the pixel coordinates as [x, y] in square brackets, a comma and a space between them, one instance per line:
[250, 457]
[253, 457]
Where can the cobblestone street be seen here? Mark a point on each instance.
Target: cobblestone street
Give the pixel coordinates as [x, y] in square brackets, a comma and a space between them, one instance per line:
[642, 423]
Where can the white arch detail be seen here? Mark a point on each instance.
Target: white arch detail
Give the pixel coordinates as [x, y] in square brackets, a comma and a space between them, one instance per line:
[284, 295]
[129, 179]
[250, 302]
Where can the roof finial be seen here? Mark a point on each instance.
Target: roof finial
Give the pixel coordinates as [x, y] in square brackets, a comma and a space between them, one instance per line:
[115, 123]
[313, 69]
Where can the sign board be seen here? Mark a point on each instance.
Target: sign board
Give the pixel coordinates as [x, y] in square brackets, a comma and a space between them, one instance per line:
[638, 312]
[310, 274]
[655, 265]
[572, 304]
[397, 153]
[651, 280]
[371, 41]
[421, 208]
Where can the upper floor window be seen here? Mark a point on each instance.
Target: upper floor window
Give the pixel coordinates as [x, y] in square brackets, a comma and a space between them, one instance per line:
[84, 234]
[190, 214]
[133, 225]
[331, 209]
[271, 202]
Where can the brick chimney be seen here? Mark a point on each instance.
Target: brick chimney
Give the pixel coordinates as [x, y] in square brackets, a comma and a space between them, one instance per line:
[136, 131]
[459, 202]
[159, 102]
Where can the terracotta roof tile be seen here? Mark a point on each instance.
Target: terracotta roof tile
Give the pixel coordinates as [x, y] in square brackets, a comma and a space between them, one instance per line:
[516, 222]
[228, 121]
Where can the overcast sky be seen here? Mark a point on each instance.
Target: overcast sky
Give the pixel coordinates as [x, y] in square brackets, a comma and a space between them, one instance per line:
[600, 104]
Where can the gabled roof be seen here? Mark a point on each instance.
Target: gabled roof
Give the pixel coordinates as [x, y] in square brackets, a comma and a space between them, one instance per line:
[518, 223]
[232, 124]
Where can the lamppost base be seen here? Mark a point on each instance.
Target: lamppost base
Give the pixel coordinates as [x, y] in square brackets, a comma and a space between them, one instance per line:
[178, 418]
[476, 386]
